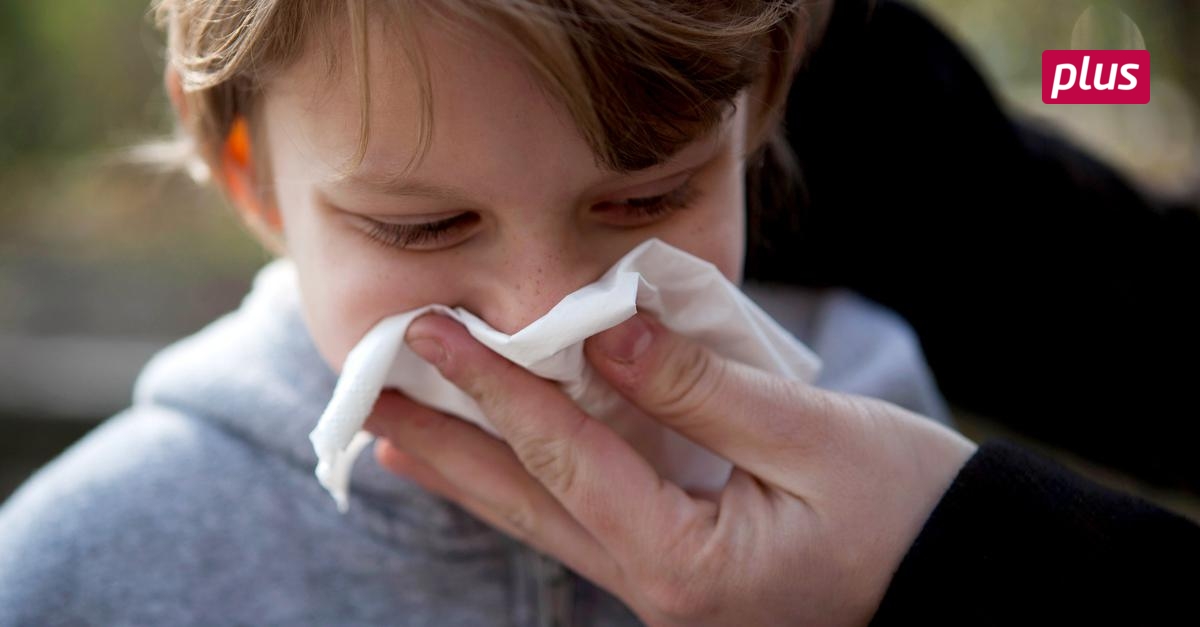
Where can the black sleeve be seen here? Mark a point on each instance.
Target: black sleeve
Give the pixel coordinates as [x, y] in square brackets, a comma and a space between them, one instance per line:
[1046, 291]
[1018, 540]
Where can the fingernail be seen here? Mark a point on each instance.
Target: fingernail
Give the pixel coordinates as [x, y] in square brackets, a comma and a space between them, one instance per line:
[627, 341]
[423, 340]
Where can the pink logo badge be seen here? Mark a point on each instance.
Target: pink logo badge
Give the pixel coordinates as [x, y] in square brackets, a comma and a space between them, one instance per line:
[1096, 76]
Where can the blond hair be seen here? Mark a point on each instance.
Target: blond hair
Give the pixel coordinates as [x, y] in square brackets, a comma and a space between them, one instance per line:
[640, 78]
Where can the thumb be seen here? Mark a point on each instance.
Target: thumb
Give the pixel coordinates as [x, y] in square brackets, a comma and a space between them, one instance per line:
[739, 412]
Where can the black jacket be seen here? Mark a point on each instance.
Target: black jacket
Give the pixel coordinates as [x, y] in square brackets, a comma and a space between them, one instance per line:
[1047, 293]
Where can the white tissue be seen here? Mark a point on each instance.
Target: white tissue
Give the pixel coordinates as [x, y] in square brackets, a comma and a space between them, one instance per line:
[687, 294]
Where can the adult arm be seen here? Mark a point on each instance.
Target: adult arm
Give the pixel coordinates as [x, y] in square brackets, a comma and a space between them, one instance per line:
[1018, 539]
[1046, 291]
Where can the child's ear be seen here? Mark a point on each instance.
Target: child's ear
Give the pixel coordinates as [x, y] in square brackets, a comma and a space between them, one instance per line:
[237, 177]
[235, 172]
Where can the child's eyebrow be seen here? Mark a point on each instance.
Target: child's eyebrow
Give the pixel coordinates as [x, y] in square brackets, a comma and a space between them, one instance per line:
[401, 186]
[395, 184]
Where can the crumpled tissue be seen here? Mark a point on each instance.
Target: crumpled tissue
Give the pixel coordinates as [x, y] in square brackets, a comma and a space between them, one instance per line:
[688, 295]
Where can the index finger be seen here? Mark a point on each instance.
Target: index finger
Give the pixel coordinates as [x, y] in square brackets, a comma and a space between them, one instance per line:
[597, 476]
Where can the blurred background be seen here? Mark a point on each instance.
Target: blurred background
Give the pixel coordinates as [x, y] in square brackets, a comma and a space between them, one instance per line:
[102, 263]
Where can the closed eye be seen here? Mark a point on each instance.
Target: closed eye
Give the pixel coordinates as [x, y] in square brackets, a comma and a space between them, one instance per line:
[630, 212]
[637, 211]
[419, 236]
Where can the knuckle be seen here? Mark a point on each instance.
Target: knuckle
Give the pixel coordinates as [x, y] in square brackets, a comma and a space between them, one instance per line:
[490, 384]
[689, 378]
[521, 521]
[486, 393]
[467, 369]
[551, 460]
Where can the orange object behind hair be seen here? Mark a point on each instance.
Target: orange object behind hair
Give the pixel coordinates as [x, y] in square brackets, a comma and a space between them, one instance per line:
[237, 143]
[238, 172]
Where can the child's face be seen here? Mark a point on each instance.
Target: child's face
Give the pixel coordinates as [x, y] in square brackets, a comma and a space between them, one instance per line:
[529, 216]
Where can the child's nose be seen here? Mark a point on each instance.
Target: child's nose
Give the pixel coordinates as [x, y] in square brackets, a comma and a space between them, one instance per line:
[530, 283]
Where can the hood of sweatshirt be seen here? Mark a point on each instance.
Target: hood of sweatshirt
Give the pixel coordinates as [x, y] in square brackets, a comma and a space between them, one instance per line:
[256, 373]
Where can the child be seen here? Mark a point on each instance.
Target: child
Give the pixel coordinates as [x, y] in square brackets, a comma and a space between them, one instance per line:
[494, 156]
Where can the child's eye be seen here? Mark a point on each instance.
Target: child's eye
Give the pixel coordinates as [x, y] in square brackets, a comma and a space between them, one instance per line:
[429, 235]
[419, 236]
[638, 211]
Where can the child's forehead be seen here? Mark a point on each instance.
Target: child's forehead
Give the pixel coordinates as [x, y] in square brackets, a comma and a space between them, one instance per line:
[490, 117]
[480, 99]
[398, 53]
[426, 70]
[468, 181]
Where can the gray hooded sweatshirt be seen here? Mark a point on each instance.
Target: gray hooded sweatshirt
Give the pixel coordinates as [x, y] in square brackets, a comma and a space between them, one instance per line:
[198, 504]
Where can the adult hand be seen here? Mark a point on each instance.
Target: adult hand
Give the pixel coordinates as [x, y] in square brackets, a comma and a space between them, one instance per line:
[827, 493]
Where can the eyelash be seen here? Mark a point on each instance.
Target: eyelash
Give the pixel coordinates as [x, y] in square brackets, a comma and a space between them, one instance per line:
[681, 197]
[406, 235]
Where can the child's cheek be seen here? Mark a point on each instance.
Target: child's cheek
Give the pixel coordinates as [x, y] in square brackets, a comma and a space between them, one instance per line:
[358, 304]
[715, 228]
[348, 284]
